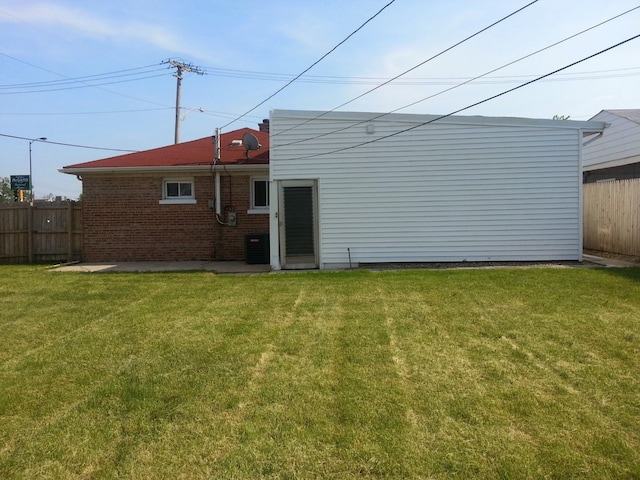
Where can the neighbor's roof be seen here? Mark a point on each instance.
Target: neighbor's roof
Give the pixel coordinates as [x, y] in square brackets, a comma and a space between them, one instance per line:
[629, 114]
[187, 154]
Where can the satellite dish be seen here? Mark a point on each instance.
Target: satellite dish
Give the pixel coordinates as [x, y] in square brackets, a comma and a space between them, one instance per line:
[250, 142]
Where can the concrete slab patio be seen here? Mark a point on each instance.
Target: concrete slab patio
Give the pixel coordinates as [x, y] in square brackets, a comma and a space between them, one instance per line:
[243, 268]
[609, 262]
[216, 267]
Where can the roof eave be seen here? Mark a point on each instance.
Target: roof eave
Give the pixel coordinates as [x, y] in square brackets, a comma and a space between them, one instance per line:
[412, 118]
[620, 162]
[167, 169]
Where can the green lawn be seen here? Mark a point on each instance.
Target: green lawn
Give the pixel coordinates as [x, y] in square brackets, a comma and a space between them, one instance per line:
[497, 373]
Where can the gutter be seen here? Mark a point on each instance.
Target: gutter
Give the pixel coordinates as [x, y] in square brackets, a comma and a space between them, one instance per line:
[160, 170]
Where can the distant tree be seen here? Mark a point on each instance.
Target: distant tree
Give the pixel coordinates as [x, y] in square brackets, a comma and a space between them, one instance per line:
[6, 194]
[561, 117]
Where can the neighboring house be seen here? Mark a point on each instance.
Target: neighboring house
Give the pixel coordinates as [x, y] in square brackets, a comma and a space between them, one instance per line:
[358, 188]
[174, 202]
[614, 155]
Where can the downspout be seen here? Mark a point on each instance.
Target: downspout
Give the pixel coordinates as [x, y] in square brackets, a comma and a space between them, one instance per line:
[581, 187]
[217, 191]
[601, 133]
[218, 203]
[217, 175]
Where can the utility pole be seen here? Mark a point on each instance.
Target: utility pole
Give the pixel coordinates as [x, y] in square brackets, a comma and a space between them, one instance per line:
[180, 68]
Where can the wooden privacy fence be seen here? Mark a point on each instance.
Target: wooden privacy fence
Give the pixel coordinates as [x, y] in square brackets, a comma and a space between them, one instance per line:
[42, 232]
[611, 216]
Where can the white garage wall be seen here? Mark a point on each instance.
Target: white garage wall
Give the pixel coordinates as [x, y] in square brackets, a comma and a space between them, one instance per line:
[462, 188]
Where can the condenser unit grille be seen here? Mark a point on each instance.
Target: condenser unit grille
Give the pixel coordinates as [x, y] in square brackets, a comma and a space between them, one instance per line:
[257, 248]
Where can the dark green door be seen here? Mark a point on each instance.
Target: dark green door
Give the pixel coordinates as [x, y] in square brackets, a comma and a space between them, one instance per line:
[298, 232]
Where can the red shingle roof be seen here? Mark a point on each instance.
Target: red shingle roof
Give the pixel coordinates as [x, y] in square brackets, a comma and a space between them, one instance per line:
[195, 152]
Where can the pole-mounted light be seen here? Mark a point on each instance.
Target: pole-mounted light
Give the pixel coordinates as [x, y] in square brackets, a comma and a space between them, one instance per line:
[185, 114]
[41, 139]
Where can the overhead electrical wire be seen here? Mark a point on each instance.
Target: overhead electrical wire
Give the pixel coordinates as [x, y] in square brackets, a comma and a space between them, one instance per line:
[94, 77]
[95, 86]
[228, 115]
[84, 81]
[379, 86]
[88, 113]
[419, 64]
[493, 97]
[87, 85]
[460, 84]
[137, 71]
[211, 113]
[312, 65]
[346, 80]
[69, 144]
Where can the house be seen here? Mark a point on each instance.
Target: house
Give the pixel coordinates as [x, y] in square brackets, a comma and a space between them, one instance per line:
[176, 202]
[615, 154]
[353, 188]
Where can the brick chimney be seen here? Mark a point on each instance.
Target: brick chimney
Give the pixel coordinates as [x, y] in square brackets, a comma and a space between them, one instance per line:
[264, 126]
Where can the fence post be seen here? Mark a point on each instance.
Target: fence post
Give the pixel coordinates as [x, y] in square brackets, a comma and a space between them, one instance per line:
[30, 232]
[69, 231]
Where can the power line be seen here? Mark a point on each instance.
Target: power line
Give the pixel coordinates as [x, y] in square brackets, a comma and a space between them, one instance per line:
[352, 80]
[70, 80]
[87, 85]
[98, 87]
[460, 84]
[420, 64]
[87, 113]
[68, 144]
[312, 65]
[493, 97]
[521, 58]
[211, 113]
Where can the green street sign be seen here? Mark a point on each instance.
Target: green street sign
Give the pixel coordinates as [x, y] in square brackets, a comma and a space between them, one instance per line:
[20, 182]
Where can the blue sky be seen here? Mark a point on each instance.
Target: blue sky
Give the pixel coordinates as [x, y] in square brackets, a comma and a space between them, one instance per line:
[250, 49]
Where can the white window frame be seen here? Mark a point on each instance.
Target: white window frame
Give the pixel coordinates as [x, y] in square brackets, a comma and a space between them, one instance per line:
[263, 208]
[180, 199]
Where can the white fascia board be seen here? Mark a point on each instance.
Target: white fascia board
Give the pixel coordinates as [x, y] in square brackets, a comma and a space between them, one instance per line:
[591, 126]
[164, 170]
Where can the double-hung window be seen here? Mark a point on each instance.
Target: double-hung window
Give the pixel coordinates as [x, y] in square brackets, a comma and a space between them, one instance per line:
[178, 191]
[259, 195]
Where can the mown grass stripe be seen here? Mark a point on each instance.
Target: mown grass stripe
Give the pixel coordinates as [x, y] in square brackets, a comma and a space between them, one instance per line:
[408, 374]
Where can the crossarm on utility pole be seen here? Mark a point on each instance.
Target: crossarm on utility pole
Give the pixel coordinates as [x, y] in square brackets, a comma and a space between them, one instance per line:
[180, 68]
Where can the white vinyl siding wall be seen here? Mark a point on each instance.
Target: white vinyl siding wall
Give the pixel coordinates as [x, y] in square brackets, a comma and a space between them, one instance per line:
[620, 144]
[447, 191]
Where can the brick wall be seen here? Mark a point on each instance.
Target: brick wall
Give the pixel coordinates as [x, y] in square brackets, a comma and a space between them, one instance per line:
[123, 220]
